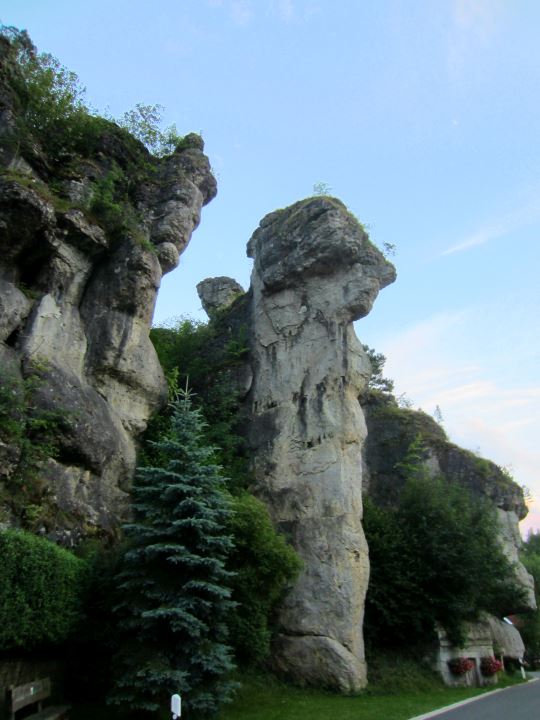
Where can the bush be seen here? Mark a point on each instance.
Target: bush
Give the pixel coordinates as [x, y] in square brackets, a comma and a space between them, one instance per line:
[31, 432]
[40, 591]
[400, 671]
[264, 565]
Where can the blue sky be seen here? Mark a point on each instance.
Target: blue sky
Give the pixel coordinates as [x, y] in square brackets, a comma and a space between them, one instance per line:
[421, 115]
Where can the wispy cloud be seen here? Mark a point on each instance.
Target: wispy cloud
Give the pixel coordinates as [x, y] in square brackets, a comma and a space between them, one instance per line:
[479, 17]
[475, 24]
[283, 9]
[241, 12]
[478, 238]
[507, 224]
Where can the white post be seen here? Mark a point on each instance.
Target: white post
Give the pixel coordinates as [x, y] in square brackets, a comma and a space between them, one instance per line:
[176, 706]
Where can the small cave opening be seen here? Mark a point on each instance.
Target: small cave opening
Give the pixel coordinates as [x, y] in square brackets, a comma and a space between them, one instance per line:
[32, 266]
[12, 339]
[30, 273]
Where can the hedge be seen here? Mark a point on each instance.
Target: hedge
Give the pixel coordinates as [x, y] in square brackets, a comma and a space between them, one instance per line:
[40, 590]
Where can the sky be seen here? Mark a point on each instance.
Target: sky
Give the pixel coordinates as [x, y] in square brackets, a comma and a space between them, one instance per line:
[421, 115]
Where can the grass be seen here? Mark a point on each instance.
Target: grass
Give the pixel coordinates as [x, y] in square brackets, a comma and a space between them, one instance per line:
[263, 697]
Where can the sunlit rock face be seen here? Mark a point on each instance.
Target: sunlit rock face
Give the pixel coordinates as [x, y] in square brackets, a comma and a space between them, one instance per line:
[77, 298]
[315, 272]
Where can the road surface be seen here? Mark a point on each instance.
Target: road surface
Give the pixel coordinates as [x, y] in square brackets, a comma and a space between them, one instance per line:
[521, 702]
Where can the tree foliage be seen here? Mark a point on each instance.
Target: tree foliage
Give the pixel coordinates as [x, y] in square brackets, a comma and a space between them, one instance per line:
[263, 565]
[196, 353]
[262, 561]
[435, 559]
[377, 380]
[174, 588]
[145, 123]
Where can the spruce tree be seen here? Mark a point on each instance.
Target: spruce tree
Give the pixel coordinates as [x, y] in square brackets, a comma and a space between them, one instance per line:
[173, 585]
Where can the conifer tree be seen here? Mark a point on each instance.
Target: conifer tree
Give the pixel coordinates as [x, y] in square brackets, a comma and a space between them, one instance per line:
[174, 589]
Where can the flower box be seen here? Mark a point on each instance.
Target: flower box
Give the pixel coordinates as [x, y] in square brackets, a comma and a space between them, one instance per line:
[460, 665]
[490, 666]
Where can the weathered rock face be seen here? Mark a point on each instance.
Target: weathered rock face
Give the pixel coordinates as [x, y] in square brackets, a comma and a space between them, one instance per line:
[77, 295]
[315, 271]
[390, 432]
[218, 293]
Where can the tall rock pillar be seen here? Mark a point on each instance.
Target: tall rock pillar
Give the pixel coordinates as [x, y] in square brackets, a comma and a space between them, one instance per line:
[315, 272]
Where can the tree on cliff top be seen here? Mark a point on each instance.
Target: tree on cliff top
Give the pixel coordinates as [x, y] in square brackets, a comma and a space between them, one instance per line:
[53, 110]
[175, 590]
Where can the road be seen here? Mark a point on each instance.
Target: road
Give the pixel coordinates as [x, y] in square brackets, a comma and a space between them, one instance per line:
[521, 702]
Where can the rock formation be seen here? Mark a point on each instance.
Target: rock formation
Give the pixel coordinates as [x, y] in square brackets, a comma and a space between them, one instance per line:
[218, 293]
[315, 271]
[79, 274]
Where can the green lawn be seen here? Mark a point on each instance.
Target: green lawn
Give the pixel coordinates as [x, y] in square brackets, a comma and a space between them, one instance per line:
[263, 698]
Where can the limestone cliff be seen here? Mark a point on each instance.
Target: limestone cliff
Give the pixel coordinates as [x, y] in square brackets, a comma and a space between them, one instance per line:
[315, 272]
[84, 241]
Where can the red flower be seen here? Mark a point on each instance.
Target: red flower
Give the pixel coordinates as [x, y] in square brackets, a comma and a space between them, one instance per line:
[461, 665]
[490, 665]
